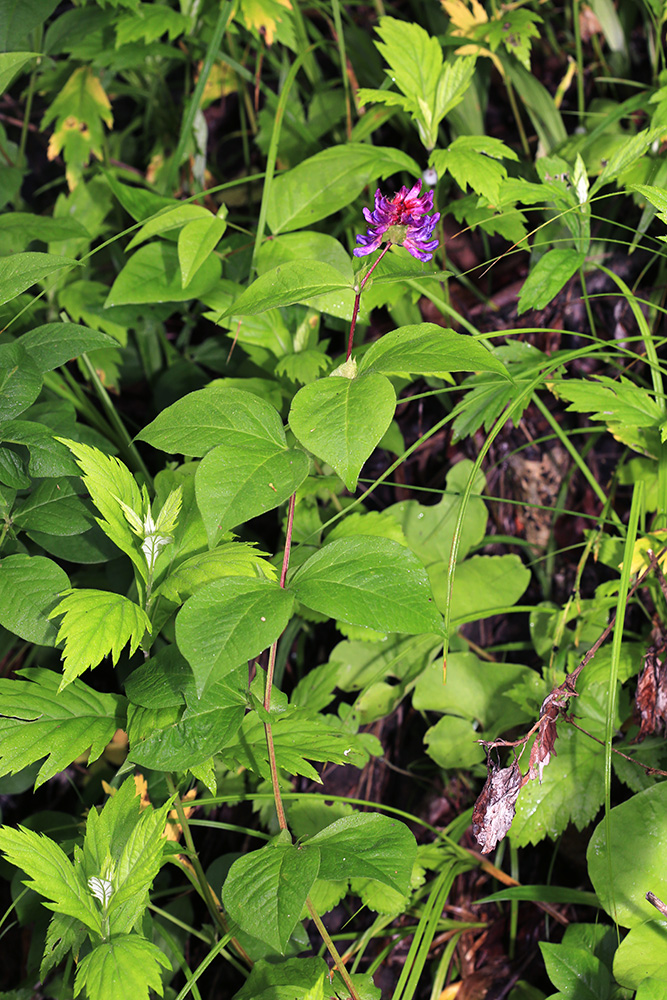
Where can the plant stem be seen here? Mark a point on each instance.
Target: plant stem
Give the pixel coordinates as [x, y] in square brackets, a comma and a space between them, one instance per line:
[357, 298]
[275, 783]
[338, 962]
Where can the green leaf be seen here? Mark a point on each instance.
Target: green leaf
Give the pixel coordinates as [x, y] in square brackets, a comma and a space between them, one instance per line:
[19, 229]
[48, 457]
[10, 64]
[51, 873]
[196, 242]
[53, 507]
[453, 743]
[575, 972]
[341, 420]
[54, 344]
[29, 589]
[202, 730]
[293, 281]
[96, 623]
[428, 349]
[250, 472]
[616, 401]
[201, 420]
[153, 274]
[299, 735]
[292, 979]
[140, 202]
[430, 530]
[175, 215]
[369, 581]
[22, 270]
[228, 622]
[266, 890]
[20, 380]
[38, 722]
[228, 559]
[571, 790]
[109, 481]
[642, 956]
[628, 153]
[126, 965]
[473, 160]
[330, 180]
[632, 862]
[547, 278]
[19, 17]
[367, 845]
[482, 586]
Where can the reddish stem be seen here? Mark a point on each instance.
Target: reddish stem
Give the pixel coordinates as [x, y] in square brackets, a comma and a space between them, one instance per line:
[357, 299]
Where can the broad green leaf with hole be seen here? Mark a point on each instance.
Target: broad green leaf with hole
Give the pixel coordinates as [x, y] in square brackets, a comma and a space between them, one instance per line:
[201, 420]
[54, 344]
[293, 281]
[153, 274]
[428, 349]
[266, 890]
[96, 623]
[196, 243]
[36, 721]
[20, 380]
[369, 581]
[249, 473]
[228, 622]
[29, 589]
[634, 859]
[20, 271]
[328, 181]
[126, 965]
[548, 276]
[366, 845]
[341, 420]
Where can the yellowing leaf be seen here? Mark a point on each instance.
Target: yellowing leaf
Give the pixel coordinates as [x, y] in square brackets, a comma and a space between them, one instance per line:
[264, 15]
[649, 543]
[80, 111]
[464, 20]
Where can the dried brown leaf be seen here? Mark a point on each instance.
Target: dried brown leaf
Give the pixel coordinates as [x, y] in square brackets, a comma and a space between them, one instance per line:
[496, 805]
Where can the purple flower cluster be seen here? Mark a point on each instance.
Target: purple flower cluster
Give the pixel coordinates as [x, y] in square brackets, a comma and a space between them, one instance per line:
[402, 220]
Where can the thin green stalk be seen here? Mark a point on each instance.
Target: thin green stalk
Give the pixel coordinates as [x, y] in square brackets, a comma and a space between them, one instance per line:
[623, 588]
[357, 299]
[128, 449]
[587, 304]
[342, 55]
[517, 117]
[203, 966]
[28, 108]
[333, 951]
[73, 393]
[224, 15]
[272, 154]
[579, 54]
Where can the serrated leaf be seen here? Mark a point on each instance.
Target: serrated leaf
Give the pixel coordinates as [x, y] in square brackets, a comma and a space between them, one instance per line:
[20, 380]
[153, 274]
[632, 150]
[323, 184]
[228, 622]
[54, 344]
[37, 721]
[299, 736]
[616, 401]
[367, 845]
[51, 873]
[369, 581]
[547, 278]
[64, 934]
[428, 349]
[29, 589]
[473, 160]
[109, 481]
[342, 420]
[21, 270]
[127, 965]
[97, 623]
[81, 110]
[266, 890]
[228, 559]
